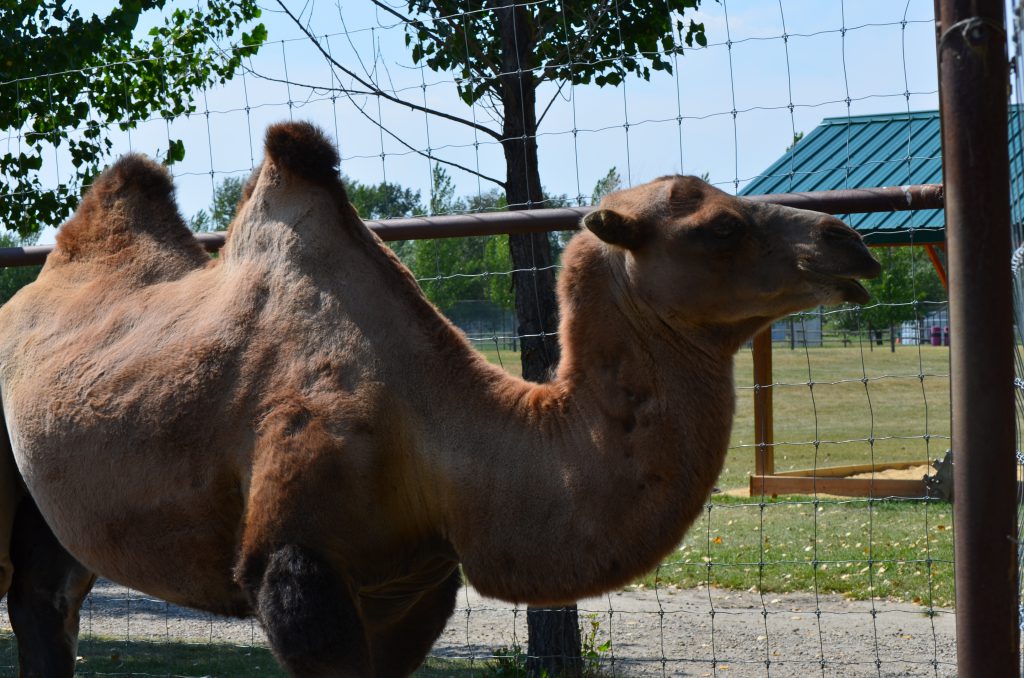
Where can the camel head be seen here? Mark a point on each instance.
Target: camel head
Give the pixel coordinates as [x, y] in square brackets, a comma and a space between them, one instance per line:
[696, 256]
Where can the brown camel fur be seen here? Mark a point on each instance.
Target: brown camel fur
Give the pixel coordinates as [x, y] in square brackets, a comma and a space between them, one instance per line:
[293, 431]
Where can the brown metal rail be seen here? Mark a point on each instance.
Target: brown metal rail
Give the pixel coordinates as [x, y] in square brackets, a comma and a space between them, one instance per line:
[922, 196]
[973, 85]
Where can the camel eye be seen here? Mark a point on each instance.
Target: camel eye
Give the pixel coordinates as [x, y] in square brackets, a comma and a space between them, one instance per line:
[726, 228]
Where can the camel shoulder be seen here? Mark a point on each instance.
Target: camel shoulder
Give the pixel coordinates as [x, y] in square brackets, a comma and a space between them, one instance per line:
[129, 219]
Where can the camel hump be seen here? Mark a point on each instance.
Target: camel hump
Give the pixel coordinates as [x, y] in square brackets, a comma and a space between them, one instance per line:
[128, 217]
[303, 149]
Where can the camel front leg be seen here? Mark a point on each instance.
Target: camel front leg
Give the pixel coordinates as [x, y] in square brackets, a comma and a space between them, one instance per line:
[10, 494]
[45, 598]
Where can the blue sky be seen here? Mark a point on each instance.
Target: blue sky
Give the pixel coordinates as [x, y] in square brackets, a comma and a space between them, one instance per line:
[842, 57]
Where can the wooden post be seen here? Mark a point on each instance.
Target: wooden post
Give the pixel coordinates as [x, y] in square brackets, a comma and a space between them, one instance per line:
[764, 432]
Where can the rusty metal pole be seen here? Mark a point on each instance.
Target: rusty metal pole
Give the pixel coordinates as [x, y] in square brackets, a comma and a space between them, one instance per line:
[844, 201]
[973, 90]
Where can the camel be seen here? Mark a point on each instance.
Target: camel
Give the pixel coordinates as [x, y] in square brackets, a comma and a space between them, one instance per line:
[293, 431]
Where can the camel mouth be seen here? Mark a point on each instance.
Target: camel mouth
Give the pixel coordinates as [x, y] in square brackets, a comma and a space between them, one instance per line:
[848, 286]
[852, 290]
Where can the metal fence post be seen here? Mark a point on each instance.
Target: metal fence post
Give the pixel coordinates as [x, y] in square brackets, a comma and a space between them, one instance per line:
[973, 90]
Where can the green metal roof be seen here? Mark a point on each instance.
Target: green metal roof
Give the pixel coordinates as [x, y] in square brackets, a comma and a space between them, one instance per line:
[868, 151]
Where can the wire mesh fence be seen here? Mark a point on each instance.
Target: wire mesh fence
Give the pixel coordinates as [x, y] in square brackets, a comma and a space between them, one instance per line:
[763, 585]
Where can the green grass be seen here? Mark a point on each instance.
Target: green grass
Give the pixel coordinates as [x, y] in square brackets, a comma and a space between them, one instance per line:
[906, 398]
[111, 657]
[507, 359]
[899, 550]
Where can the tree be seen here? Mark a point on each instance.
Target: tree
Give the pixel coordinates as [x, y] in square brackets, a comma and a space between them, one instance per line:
[907, 279]
[451, 270]
[13, 278]
[226, 197]
[383, 200]
[68, 78]
[609, 183]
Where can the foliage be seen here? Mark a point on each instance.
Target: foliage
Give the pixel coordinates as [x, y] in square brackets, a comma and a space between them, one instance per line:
[592, 651]
[225, 201]
[69, 78]
[461, 269]
[382, 201]
[226, 197]
[508, 661]
[575, 41]
[609, 183]
[13, 279]
[907, 279]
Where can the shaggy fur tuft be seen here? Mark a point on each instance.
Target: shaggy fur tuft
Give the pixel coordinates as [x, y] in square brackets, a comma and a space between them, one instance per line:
[303, 149]
[135, 172]
[133, 197]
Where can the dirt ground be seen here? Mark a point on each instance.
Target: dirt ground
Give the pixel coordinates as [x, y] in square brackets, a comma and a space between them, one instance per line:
[670, 632]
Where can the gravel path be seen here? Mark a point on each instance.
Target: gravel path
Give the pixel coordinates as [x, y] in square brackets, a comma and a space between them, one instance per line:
[671, 632]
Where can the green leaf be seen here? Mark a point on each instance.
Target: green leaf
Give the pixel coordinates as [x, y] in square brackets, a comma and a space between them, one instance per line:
[175, 151]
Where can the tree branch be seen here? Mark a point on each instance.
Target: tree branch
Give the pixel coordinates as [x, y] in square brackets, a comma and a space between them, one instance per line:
[455, 26]
[492, 68]
[378, 91]
[425, 154]
[349, 93]
[547, 108]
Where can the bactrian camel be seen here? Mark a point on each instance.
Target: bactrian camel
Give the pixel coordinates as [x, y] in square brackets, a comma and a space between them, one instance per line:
[293, 431]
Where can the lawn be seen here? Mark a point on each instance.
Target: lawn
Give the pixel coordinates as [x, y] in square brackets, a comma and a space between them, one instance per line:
[862, 404]
[115, 657]
[900, 550]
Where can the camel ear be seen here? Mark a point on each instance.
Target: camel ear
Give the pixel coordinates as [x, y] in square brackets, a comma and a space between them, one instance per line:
[616, 228]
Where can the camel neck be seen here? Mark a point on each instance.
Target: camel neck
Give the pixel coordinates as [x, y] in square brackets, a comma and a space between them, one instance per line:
[626, 441]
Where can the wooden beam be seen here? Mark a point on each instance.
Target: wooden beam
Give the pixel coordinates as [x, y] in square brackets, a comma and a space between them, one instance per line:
[844, 487]
[840, 471]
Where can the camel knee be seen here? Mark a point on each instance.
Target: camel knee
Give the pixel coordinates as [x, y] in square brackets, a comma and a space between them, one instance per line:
[307, 612]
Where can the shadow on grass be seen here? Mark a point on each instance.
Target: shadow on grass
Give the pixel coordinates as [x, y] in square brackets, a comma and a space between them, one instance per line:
[110, 657]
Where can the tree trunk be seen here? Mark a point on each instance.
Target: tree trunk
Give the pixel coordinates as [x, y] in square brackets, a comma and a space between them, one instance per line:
[554, 638]
[554, 648]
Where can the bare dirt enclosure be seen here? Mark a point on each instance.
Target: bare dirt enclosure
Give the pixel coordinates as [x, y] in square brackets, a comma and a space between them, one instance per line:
[669, 632]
